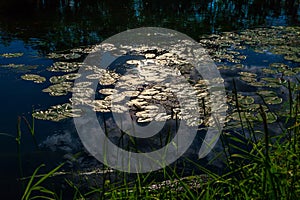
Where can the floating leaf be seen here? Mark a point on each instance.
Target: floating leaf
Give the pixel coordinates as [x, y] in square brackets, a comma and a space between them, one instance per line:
[11, 55]
[272, 100]
[266, 93]
[65, 67]
[269, 71]
[248, 74]
[68, 56]
[246, 100]
[59, 89]
[57, 113]
[33, 77]
[59, 79]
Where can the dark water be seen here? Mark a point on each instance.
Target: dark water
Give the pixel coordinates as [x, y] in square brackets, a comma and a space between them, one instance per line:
[38, 27]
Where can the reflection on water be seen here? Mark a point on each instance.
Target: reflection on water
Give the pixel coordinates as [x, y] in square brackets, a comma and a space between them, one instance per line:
[62, 24]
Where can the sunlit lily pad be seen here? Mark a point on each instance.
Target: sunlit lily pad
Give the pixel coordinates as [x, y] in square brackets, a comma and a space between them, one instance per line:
[279, 65]
[248, 79]
[65, 56]
[108, 91]
[59, 89]
[65, 67]
[131, 93]
[20, 67]
[57, 113]
[133, 62]
[11, 65]
[107, 79]
[83, 84]
[248, 74]
[144, 120]
[59, 79]
[33, 77]
[101, 106]
[11, 55]
[150, 55]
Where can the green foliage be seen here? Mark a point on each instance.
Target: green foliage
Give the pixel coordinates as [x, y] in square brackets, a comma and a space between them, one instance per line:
[268, 169]
[42, 192]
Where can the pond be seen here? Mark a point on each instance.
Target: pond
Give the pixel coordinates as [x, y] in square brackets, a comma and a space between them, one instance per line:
[255, 42]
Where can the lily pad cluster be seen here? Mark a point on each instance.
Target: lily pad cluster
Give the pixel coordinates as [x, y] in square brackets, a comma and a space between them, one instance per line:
[144, 92]
[246, 110]
[269, 97]
[277, 40]
[57, 112]
[64, 66]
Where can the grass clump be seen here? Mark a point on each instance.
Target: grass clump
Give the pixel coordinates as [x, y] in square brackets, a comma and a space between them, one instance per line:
[259, 165]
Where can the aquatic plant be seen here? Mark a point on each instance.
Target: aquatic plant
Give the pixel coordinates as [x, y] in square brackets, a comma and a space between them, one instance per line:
[57, 113]
[11, 55]
[33, 77]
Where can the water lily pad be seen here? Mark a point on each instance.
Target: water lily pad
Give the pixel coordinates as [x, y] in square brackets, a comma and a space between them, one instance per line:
[65, 56]
[272, 100]
[144, 120]
[59, 89]
[108, 91]
[279, 65]
[246, 100]
[131, 93]
[161, 117]
[108, 78]
[57, 113]
[59, 79]
[271, 118]
[133, 62]
[115, 97]
[116, 108]
[242, 116]
[11, 55]
[296, 69]
[266, 93]
[248, 74]
[241, 57]
[83, 84]
[248, 79]
[65, 67]
[33, 77]
[273, 82]
[288, 72]
[150, 55]
[269, 71]
[101, 106]
[20, 67]
[294, 58]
